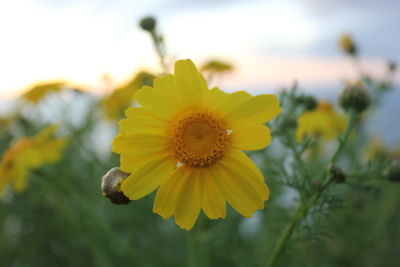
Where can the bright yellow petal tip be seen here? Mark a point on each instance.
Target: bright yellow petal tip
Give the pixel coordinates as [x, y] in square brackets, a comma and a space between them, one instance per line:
[184, 141]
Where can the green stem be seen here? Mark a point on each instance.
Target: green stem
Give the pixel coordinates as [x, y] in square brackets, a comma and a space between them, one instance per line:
[301, 211]
[343, 139]
[67, 189]
[191, 249]
[160, 52]
[304, 207]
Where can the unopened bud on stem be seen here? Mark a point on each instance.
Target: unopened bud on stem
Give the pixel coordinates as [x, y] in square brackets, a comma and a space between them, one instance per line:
[355, 97]
[111, 186]
[148, 24]
[347, 45]
[337, 174]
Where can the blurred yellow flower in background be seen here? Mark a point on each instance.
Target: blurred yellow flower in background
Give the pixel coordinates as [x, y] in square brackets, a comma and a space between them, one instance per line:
[322, 122]
[121, 98]
[186, 140]
[375, 148]
[216, 66]
[38, 92]
[347, 45]
[27, 154]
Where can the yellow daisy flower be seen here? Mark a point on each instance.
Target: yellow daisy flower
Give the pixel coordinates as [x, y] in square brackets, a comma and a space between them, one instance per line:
[27, 154]
[186, 140]
[323, 122]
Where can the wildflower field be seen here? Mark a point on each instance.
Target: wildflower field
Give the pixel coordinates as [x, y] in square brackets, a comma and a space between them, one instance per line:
[169, 169]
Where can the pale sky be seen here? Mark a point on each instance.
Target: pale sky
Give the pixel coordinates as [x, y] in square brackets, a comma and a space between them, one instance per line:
[271, 42]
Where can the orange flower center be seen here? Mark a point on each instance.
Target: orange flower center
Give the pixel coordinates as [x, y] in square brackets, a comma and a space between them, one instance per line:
[198, 138]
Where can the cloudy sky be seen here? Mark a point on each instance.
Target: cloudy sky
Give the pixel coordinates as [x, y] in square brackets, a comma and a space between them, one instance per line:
[271, 42]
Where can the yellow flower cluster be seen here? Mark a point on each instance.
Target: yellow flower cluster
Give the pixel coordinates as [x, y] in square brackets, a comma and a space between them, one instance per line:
[27, 154]
[186, 140]
[322, 122]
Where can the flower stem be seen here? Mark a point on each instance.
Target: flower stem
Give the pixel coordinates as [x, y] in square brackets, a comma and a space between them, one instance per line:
[343, 139]
[191, 249]
[158, 44]
[301, 211]
[304, 207]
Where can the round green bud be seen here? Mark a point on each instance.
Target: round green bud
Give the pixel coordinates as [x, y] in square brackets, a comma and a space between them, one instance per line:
[148, 23]
[355, 97]
[310, 103]
[337, 174]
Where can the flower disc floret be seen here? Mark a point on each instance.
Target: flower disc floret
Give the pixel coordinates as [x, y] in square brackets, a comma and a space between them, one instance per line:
[198, 138]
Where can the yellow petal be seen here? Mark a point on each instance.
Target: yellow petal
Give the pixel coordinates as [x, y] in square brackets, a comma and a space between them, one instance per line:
[168, 193]
[157, 101]
[251, 138]
[224, 102]
[191, 84]
[135, 160]
[20, 179]
[167, 84]
[139, 119]
[241, 183]
[188, 204]
[148, 178]
[254, 110]
[213, 203]
[51, 151]
[128, 142]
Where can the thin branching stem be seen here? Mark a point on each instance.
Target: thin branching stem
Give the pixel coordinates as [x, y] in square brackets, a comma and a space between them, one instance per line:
[304, 207]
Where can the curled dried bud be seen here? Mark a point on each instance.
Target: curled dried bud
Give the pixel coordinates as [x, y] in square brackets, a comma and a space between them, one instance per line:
[111, 184]
[355, 97]
[337, 174]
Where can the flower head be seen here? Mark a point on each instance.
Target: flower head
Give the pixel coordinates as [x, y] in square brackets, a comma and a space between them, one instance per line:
[323, 122]
[27, 154]
[186, 140]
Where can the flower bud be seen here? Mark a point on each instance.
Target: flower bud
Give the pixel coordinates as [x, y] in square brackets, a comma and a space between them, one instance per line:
[148, 24]
[347, 45]
[309, 102]
[286, 123]
[111, 186]
[337, 174]
[392, 66]
[354, 96]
